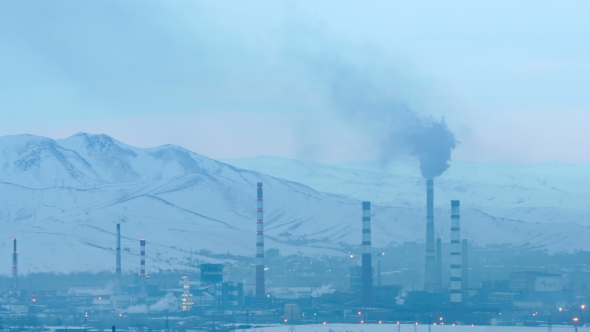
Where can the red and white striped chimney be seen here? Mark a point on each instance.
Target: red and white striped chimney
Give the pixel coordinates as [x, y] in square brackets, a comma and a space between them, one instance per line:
[14, 268]
[142, 275]
[455, 255]
[260, 291]
[366, 268]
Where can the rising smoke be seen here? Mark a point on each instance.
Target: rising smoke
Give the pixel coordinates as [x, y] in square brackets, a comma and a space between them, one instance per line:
[432, 142]
[379, 107]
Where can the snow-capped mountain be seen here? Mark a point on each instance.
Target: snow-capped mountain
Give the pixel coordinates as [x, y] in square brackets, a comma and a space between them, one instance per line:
[87, 160]
[62, 199]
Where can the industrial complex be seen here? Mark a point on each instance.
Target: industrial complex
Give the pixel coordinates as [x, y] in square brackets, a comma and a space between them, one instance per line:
[215, 299]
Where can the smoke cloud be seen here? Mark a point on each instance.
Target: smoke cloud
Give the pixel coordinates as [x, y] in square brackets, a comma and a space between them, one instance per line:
[377, 104]
[432, 142]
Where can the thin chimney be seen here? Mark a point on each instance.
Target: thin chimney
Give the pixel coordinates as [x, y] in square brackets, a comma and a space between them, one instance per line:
[14, 268]
[366, 269]
[430, 264]
[142, 275]
[260, 292]
[455, 255]
[118, 266]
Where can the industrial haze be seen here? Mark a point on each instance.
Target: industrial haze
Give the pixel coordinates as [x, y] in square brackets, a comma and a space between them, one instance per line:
[63, 198]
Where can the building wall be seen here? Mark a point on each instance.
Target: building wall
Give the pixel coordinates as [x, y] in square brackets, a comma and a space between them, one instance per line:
[548, 284]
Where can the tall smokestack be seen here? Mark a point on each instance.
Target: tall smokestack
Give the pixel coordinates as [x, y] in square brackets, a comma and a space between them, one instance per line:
[430, 264]
[118, 267]
[455, 255]
[142, 275]
[14, 267]
[465, 271]
[438, 265]
[366, 270]
[260, 292]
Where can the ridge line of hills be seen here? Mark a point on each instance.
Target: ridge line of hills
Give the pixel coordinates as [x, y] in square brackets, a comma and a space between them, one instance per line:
[79, 187]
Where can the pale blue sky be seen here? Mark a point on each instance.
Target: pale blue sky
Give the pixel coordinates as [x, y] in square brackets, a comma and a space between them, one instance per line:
[232, 79]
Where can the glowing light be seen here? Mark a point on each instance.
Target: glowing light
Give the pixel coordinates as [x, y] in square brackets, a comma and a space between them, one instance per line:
[285, 320]
[360, 312]
[351, 256]
[362, 322]
[379, 322]
[324, 323]
[440, 318]
[583, 306]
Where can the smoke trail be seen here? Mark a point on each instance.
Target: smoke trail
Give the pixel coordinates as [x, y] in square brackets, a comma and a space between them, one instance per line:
[378, 106]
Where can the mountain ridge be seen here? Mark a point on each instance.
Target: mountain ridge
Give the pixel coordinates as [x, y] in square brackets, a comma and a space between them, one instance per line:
[182, 200]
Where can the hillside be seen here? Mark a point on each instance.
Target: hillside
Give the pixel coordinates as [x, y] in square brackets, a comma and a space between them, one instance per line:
[536, 193]
[62, 199]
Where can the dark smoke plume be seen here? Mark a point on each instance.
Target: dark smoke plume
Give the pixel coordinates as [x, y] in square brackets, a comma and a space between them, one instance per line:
[380, 109]
[432, 142]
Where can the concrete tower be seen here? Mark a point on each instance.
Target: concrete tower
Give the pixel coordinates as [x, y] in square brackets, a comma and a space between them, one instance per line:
[430, 264]
[260, 292]
[439, 277]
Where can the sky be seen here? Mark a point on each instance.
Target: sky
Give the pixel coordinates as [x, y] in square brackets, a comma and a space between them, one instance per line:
[233, 79]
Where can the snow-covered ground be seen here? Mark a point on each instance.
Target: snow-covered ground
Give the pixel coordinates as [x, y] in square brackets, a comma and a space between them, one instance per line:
[62, 199]
[411, 328]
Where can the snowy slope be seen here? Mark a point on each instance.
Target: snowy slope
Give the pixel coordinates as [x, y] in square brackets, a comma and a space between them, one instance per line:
[412, 328]
[86, 160]
[62, 199]
[545, 193]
